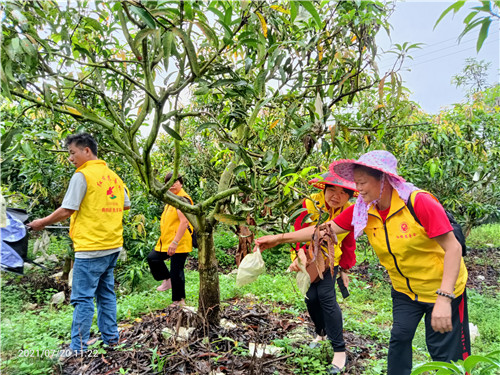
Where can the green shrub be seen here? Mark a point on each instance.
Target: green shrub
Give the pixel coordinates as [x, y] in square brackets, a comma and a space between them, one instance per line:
[277, 259]
[484, 237]
[224, 259]
[225, 240]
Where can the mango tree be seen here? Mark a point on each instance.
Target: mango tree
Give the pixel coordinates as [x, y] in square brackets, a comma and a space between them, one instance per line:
[262, 82]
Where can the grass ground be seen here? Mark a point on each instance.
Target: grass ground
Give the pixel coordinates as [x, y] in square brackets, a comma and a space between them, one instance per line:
[43, 329]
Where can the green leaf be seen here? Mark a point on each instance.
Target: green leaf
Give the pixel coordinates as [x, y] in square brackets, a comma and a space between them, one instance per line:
[167, 40]
[222, 82]
[172, 132]
[46, 94]
[483, 33]
[7, 138]
[471, 361]
[293, 10]
[93, 23]
[27, 149]
[188, 10]
[21, 19]
[144, 16]
[248, 64]
[4, 83]
[309, 6]
[231, 145]
[190, 50]
[252, 42]
[273, 162]
[216, 12]
[239, 169]
[260, 83]
[296, 214]
[207, 125]
[248, 161]
[202, 90]
[470, 17]
[230, 219]
[246, 189]
[287, 172]
[28, 47]
[437, 365]
[469, 27]
[16, 46]
[141, 35]
[209, 33]
[455, 7]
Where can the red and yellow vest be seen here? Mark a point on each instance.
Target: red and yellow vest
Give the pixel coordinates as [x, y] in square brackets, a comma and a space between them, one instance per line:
[413, 260]
[97, 225]
[319, 198]
[169, 224]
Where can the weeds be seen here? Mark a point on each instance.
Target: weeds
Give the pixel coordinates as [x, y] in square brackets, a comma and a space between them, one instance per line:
[484, 237]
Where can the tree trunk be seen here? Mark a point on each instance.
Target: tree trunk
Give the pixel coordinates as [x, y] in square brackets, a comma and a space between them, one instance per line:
[209, 299]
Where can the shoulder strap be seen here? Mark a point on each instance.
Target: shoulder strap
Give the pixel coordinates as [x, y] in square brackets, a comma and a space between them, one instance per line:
[411, 202]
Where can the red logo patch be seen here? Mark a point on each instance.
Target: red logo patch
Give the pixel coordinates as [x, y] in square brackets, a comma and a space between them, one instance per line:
[404, 227]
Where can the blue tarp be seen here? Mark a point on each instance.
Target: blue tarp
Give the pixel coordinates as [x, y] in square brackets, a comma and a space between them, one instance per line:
[13, 232]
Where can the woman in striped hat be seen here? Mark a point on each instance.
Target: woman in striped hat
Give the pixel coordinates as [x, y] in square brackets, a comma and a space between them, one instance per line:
[321, 299]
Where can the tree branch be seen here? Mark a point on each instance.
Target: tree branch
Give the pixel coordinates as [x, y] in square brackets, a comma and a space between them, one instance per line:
[218, 197]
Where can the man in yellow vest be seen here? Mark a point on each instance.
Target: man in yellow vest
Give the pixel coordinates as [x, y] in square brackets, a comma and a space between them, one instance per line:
[95, 200]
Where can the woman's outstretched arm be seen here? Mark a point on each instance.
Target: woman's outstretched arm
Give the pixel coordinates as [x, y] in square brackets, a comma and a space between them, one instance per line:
[303, 235]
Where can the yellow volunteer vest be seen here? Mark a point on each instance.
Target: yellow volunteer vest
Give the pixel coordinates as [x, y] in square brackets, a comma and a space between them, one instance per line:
[413, 260]
[97, 225]
[319, 198]
[169, 224]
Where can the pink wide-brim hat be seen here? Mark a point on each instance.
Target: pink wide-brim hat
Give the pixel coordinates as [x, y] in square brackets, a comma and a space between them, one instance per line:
[380, 160]
[332, 179]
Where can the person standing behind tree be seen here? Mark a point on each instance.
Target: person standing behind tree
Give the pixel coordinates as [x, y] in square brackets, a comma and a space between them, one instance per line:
[175, 243]
[424, 260]
[95, 200]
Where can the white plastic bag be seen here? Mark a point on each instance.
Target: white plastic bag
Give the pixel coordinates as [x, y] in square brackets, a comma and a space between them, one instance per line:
[250, 268]
[303, 279]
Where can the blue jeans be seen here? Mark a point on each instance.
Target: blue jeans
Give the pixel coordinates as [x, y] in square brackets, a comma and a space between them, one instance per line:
[94, 278]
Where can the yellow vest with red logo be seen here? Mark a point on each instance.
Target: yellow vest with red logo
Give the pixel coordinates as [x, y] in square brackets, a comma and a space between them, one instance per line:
[413, 260]
[97, 225]
[169, 224]
[319, 199]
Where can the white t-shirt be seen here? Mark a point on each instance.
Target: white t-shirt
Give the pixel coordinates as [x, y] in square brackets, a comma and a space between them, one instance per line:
[73, 199]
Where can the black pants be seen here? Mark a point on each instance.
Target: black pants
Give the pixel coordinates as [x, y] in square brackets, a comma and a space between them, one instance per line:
[156, 260]
[325, 312]
[446, 347]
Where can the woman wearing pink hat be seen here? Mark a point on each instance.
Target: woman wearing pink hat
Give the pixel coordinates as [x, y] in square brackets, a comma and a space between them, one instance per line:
[424, 261]
[321, 299]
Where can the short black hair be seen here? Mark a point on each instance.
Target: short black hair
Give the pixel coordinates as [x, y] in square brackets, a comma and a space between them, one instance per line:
[169, 176]
[348, 191]
[369, 171]
[82, 140]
